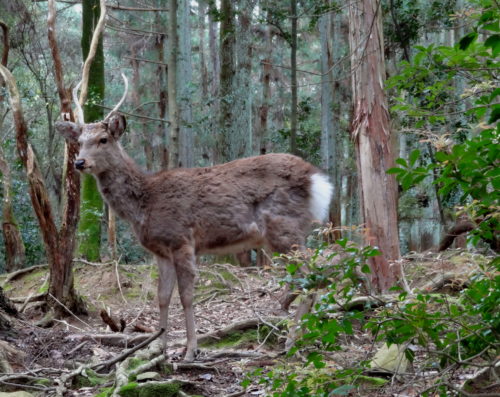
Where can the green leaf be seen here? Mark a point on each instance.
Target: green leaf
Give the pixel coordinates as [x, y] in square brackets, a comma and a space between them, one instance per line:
[395, 170]
[495, 114]
[494, 43]
[414, 157]
[401, 162]
[467, 40]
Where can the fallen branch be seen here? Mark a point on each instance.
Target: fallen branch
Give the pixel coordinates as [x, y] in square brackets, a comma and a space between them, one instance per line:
[118, 340]
[107, 319]
[129, 352]
[12, 276]
[237, 326]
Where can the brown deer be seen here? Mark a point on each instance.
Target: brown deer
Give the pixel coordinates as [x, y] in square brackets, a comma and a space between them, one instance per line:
[265, 202]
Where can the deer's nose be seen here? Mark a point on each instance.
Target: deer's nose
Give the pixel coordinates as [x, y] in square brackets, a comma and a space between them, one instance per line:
[80, 164]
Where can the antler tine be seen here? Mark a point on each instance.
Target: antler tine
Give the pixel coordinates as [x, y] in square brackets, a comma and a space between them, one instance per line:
[79, 111]
[115, 109]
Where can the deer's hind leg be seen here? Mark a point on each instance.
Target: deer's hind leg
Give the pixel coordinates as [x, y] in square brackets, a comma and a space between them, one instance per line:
[185, 262]
[166, 284]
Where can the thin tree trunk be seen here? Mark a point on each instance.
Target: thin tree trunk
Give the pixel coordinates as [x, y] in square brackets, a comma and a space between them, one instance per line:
[112, 234]
[14, 245]
[371, 134]
[162, 150]
[184, 87]
[329, 130]
[202, 10]
[214, 79]
[293, 77]
[89, 228]
[60, 255]
[173, 109]
[261, 123]
[227, 72]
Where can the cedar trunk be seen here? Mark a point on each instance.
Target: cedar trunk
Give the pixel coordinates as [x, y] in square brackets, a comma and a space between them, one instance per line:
[173, 108]
[371, 134]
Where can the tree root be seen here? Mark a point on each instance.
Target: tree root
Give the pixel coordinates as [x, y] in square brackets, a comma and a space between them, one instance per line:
[12, 276]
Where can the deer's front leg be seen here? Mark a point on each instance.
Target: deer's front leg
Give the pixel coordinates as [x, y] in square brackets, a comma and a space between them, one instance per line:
[185, 261]
[166, 284]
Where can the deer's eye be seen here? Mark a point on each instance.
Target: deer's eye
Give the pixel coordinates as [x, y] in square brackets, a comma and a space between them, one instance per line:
[103, 140]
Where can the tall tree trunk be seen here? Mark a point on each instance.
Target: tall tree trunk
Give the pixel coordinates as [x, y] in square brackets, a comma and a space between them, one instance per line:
[227, 72]
[184, 86]
[214, 119]
[14, 246]
[89, 228]
[202, 11]
[241, 124]
[173, 108]
[261, 124]
[329, 128]
[162, 151]
[371, 135]
[60, 255]
[293, 77]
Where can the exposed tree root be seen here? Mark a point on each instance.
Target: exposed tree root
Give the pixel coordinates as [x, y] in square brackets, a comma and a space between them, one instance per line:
[237, 326]
[14, 275]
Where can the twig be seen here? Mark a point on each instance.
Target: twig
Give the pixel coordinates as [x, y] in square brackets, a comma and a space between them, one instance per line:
[118, 281]
[68, 310]
[127, 353]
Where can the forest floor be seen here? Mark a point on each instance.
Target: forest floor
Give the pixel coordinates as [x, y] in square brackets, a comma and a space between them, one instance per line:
[242, 298]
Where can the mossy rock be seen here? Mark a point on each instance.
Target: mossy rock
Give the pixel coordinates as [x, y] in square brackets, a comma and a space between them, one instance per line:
[150, 389]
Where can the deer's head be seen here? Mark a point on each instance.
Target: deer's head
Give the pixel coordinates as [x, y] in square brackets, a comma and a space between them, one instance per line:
[99, 147]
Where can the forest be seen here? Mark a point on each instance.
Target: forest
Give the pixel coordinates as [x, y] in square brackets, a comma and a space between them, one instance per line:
[393, 107]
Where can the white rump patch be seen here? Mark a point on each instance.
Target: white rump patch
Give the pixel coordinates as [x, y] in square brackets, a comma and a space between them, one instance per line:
[321, 195]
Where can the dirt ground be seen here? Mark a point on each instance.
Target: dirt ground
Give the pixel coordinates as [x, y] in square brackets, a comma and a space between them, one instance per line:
[225, 295]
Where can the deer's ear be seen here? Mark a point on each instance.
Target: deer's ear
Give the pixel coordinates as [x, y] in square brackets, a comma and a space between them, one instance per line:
[69, 130]
[117, 125]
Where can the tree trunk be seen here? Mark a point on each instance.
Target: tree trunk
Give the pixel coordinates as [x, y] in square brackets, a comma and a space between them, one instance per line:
[162, 151]
[293, 77]
[173, 108]
[330, 128]
[371, 135]
[227, 73]
[184, 87]
[61, 265]
[261, 127]
[202, 10]
[14, 245]
[89, 228]
[240, 137]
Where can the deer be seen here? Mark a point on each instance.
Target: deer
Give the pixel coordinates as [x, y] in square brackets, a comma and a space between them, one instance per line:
[267, 201]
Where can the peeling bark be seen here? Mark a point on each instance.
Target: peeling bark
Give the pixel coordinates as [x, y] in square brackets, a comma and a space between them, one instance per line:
[371, 133]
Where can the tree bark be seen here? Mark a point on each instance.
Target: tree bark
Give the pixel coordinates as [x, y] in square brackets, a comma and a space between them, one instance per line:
[14, 246]
[89, 228]
[173, 108]
[293, 77]
[260, 132]
[163, 153]
[371, 134]
[227, 72]
[184, 86]
[61, 266]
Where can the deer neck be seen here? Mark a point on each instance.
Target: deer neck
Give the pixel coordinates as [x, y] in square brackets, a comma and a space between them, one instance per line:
[123, 188]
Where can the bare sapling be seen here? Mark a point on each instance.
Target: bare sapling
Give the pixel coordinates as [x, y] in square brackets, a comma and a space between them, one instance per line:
[264, 202]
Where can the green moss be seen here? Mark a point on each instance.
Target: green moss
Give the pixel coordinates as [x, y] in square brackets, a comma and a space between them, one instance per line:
[239, 339]
[89, 228]
[44, 382]
[35, 276]
[150, 389]
[106, 392]
[134, 362]
[90, 379]
[154, 273]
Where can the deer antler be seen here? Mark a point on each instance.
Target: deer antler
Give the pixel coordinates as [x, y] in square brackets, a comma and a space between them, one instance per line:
[115, 109]
[79, 111]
